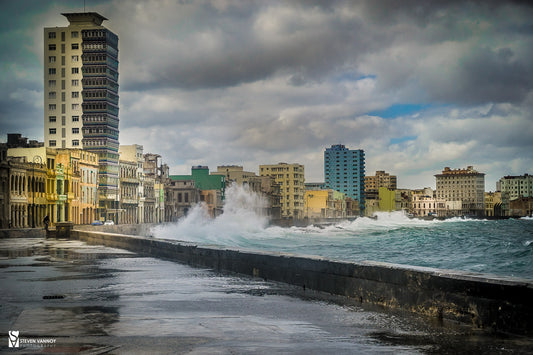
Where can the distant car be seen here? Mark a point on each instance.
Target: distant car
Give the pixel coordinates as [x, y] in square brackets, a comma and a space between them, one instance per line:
[109, 223]
[97, 223]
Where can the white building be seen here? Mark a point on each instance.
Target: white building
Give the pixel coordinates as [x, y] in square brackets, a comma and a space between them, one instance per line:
[81, 95]
[516, 186]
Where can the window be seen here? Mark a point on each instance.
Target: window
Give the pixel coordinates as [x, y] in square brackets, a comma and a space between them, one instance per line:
[75, 118]
[75, 130]
[75, 70]
[51, 118]
[74, 34]
[52, 95]
[75, 94]
[52, 130]
[51, 35]
[75, 142]
[75, 46]
[51, 47]
[75, 107]
[52, 107]
[52, 143]
[52, 59]
[75, 58]
[51, 71]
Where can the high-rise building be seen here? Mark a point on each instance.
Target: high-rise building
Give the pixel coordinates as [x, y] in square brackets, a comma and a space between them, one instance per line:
[466, 187]
[291, 180]
[344, 171]
[81, 95]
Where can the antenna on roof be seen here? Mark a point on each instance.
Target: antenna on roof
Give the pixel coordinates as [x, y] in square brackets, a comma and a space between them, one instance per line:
[83, 5]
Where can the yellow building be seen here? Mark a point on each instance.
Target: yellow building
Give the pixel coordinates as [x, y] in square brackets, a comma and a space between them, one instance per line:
[492, 200]
[325, 204]
[389, 200]
[291, 179]
[80, 169]
[43, 155]
[319, 203]
[381, 179]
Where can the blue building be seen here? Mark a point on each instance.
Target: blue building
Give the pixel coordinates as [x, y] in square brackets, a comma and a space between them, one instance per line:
[344, 171]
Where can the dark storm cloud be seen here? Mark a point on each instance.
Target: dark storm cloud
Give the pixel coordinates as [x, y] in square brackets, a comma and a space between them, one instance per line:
[252, 82]
[271, 38]
[251, 41]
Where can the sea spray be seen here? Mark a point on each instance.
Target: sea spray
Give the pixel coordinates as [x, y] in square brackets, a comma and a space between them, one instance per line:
[243, 215]
[501, 247]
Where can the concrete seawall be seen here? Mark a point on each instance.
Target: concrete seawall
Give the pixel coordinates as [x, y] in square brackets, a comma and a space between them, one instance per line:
[484, 301]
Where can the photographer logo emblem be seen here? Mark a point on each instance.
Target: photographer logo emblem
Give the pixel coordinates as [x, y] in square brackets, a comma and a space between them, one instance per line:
[13, 338]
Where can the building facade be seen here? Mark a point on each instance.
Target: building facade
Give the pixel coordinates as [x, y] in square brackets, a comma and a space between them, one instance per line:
[493, 204]
[517, 186]
[344, 171]
[81, 95]
[291, 181]
[464, 185]
[127, 213]
[381, 179]
[265, 186]
[134, 153]
[180, 197]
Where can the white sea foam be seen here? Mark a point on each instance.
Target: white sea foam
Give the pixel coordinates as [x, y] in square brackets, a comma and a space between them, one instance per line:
[242, 216]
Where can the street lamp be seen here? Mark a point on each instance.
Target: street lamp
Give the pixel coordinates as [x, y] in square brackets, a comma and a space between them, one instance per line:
[33, 187]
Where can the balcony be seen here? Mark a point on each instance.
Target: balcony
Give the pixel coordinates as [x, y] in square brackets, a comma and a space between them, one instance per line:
[129, 201]
[51, 197]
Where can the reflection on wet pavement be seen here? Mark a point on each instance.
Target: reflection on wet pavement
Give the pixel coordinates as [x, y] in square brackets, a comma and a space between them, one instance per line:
[104, 300]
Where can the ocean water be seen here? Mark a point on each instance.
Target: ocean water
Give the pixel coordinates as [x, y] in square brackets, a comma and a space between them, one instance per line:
[501, 247]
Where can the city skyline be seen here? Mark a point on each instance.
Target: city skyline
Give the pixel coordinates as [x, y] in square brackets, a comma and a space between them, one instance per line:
[418, 88]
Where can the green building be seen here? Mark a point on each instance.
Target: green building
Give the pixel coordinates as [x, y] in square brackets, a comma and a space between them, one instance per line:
[202, 179]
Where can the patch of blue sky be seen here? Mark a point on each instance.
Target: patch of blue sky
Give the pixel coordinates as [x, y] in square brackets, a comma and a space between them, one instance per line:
[398, 110]
[403, 139]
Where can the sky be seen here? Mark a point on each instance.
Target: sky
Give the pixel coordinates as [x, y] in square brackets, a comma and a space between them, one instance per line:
[418, 85]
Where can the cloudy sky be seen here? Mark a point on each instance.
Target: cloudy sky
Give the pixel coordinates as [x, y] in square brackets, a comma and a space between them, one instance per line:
[418, 85]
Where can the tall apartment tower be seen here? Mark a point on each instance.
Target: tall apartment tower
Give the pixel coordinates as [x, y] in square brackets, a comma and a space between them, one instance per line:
[344, 171]
[81, 96]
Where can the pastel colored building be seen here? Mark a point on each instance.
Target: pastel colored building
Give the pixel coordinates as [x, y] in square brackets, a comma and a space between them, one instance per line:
[380, 179]
[291, 181]
[465, 185]
[203, 181]
[493, 204]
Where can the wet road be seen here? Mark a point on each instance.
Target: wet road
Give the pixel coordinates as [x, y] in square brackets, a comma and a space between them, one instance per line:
[94, 299]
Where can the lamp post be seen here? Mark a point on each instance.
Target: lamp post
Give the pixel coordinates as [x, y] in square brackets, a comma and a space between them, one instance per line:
[33, 188]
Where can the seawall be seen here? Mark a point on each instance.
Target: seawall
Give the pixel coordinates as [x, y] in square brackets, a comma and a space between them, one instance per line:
[484, 301]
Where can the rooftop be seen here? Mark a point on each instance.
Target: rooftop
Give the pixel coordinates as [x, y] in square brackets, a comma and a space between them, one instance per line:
[85, 17]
